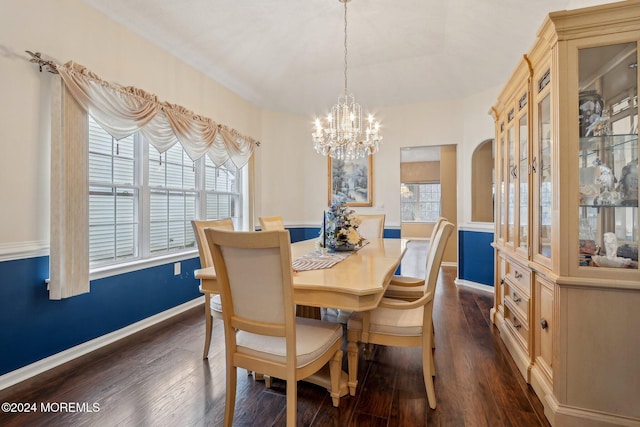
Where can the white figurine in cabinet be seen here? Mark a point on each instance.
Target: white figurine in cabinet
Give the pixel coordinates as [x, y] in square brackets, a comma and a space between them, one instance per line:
[607, 182]
[610, 245]
[629, 182]
[606, 178]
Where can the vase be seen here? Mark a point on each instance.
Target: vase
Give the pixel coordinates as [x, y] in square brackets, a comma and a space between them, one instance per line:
[590, 106]
[342, 248]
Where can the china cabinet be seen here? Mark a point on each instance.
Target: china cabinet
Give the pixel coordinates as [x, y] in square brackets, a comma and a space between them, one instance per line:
[567, 281]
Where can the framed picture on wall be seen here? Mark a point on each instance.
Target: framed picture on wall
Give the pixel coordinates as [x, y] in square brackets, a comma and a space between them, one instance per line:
[350, 181]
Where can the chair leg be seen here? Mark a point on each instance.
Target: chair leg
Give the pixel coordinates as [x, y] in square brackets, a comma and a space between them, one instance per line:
[433, 335]
[432, 367]
[428, 379]
[335, 370]
[428, 369]
[368, 351]
[292, 401]
[208, 321]
[230, 398]
[352, 359]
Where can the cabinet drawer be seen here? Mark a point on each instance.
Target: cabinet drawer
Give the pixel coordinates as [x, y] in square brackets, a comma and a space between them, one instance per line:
[518, 328]
[520, 277]
[517, 300]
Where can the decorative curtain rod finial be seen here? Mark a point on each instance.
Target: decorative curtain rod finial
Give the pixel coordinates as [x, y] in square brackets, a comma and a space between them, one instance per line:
[36, 58]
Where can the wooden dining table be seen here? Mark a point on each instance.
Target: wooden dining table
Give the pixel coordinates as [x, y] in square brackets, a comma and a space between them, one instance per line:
[356, 283]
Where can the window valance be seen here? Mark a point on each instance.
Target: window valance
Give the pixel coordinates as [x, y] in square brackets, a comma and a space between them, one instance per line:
[122, 111]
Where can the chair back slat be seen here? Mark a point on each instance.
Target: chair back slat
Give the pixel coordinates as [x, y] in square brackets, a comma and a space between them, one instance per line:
[436, 252]
[255, 276]
[371, 226]
[436, 227]
[271, 223]
[201, 239]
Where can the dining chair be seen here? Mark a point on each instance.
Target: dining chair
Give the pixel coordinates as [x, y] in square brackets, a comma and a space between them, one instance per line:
[401, 323]
[261, 330]
[270, 223]
[212, 304]
[371, 226]
[408, 287]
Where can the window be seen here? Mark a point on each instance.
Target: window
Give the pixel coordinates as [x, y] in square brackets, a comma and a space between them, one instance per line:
[223, 186]
[172, 199]
[420, 202]
[113, 196]
[141, 201]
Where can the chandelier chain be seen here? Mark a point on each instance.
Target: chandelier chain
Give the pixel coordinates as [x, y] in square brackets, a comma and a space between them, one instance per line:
[345, 49]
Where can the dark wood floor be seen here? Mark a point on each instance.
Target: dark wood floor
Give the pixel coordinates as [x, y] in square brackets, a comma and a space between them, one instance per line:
[158, 378]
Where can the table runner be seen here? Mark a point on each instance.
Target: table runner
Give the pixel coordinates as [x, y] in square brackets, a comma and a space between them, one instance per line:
[316, 261]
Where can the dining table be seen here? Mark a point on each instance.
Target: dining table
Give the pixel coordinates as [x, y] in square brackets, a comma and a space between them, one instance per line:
[356, 283]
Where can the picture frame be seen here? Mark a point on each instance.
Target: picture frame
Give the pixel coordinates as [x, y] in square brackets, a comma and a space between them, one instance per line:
[351, 181]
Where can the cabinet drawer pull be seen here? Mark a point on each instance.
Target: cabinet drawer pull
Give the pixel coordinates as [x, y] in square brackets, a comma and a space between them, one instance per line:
[515, 298]
[543, 323]
[518, 275]
[515, 323]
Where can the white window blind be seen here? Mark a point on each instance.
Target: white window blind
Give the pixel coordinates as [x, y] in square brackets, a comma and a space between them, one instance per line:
[173, 199]
[223, 192]
[113, 197]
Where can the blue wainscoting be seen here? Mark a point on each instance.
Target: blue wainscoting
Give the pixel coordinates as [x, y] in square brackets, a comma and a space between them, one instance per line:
[35, 327]
[475, 257]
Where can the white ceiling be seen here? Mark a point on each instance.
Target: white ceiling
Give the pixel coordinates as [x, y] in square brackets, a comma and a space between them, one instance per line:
[287, 55]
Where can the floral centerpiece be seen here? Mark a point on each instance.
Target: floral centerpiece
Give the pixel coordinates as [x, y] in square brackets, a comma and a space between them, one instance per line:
[341, 229]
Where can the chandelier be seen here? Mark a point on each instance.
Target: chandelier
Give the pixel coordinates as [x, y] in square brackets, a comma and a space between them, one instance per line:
[346, 137]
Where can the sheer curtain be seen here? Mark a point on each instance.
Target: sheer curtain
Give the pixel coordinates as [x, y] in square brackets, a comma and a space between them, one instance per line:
[121, 111]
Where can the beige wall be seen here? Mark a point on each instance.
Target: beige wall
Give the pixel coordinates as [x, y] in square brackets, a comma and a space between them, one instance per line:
[482, 172]
[448, 187]
[291, 179]
[69, 30]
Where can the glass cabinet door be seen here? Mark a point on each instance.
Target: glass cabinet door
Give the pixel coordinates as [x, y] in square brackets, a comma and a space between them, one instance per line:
[511, 183]
[501, 187]
[523, 175]
[544, 183]
[608, 156]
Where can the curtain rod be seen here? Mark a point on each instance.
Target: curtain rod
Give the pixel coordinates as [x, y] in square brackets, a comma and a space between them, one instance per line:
[36, 58]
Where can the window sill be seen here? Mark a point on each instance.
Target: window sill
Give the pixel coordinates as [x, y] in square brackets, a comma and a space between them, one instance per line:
[114, 270]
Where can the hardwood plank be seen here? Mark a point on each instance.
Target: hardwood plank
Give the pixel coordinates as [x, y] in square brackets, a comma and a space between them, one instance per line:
[158, 377]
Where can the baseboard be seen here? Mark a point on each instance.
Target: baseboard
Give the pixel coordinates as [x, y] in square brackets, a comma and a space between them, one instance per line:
[579, 417]
[544, 391]
[474, 285]
[26, 372]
